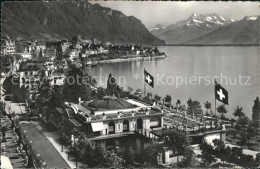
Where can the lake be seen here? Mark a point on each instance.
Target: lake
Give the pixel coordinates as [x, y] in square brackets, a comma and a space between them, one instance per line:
[189, 72]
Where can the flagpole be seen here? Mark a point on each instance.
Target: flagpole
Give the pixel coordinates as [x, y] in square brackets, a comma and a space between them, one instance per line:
[215, 97]
[144, 87]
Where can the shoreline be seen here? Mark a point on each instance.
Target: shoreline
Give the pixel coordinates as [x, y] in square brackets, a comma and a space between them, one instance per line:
[131, 59]
[202, 45]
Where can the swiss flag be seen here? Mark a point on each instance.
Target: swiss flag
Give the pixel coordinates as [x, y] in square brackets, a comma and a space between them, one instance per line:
[221, 94]
[148, 78]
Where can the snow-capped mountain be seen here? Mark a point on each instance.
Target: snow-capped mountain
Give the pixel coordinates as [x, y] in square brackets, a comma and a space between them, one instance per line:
[208, 20]
[157, 27]
[193, 27]
[245, 31]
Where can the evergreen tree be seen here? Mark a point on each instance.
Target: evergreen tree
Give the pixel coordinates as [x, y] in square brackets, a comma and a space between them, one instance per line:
[256, 110]
[76, 85]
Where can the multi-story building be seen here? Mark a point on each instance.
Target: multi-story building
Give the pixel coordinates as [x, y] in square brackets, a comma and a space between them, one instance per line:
[7, 46]
[111, 121]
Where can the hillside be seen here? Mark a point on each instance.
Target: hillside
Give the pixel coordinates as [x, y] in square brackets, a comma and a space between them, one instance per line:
[63, 20]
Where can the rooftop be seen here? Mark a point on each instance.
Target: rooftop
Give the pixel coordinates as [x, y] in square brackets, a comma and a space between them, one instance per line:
[30, 66]
[110, 103]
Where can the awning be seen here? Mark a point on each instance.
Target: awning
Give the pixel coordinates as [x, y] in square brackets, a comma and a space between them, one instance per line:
[6, 163]
[97, 126]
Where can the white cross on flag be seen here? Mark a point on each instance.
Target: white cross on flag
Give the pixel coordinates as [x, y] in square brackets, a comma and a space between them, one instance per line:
[148, 78]
[221, 94]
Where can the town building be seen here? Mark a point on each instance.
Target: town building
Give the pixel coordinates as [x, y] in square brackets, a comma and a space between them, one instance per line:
[7, 46]
[111, 121]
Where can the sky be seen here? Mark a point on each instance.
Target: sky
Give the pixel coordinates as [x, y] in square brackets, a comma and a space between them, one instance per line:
[166, 12]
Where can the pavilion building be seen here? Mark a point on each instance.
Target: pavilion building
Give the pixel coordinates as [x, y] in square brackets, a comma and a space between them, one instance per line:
[112, 121]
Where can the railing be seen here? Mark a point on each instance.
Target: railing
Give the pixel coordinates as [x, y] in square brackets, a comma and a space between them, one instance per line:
[147, 134]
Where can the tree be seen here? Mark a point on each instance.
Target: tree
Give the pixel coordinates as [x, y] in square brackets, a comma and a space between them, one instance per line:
[244, 129]
[101, 92]
[256, 110]
[189, 158]
[112, 160]
[150, 153]
[257, 159]
[157, 98]
[238, 112]
[250, 132]
[194, 107]
[129, 157]
[206, 154]
[76, 85]
[99, 155]
[207, 105]
[177, 142]
[89, 154]
[178, 103]
[220, 149]
[222, 109]
[168, 99]
[112, 87]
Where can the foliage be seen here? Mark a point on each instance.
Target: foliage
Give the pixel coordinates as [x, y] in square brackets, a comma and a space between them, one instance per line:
[238, 112]
[256, 110]
[168, 99]
[157, 98]
[76, 85]
[207, 105]
[189, 158]
[177, 142]
[206, 157]
[129, 157]
[257, 159]
[246, 129]
[194, 107]
[222, 109]
[150, 153]
[112, 87]
[96, 155]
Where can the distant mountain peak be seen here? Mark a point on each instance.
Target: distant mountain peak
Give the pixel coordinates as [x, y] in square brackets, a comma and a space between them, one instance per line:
[157, 27]
[254, 17]
[208, 20]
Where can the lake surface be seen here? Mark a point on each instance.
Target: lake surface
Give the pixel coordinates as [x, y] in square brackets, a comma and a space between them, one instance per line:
[189, 72]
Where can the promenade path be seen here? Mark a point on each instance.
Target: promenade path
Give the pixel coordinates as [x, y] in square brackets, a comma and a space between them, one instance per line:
[43, 147]
[53, 138]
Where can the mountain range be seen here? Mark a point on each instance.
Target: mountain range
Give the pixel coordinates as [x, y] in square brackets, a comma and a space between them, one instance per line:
[205, 29]
[64, 20]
